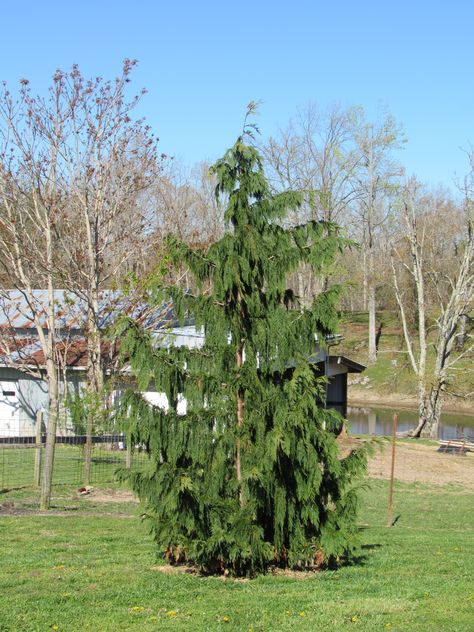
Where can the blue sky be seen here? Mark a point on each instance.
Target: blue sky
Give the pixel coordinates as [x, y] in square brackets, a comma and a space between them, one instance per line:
[203, 61]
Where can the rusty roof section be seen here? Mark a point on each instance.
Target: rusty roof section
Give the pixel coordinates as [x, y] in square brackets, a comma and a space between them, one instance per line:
[19, 341]
[17, 309]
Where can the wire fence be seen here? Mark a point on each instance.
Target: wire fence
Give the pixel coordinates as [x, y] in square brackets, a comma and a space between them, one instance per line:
[21, 460]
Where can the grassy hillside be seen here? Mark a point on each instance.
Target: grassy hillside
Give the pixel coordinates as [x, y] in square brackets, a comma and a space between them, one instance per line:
[392, 372]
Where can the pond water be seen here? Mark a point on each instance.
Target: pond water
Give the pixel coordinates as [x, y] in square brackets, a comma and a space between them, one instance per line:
[379, 421]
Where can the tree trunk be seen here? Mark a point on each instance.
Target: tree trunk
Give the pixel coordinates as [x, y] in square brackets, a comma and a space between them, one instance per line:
[39, 448]
[364, 283]
[240, 423]
[372, 357]
[49, 349]
[47, 480]
[430, 406]
[431, 427]
[94, 377]
[461, 337]
[88, 449]
[53, 400]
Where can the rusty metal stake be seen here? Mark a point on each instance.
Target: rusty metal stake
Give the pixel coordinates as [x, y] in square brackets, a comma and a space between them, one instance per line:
[390, 498]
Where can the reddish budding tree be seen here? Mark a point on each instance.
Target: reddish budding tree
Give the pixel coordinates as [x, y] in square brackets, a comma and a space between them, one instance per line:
[73, 169]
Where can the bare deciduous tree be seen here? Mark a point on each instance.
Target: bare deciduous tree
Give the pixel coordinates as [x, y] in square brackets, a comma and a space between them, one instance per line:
[106, 161]
[453, 287]
[376, 177]
[316, 153]
[31, 204]
[183, 203]
[74, 167]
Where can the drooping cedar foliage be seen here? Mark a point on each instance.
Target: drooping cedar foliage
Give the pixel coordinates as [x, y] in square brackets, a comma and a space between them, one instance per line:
[250, 475]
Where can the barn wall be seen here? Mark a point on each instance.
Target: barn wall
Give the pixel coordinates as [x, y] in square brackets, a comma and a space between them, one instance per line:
[337, 393]
[31, 395]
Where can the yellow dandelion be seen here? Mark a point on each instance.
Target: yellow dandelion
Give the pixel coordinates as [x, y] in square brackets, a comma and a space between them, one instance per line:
[354, 619]
[172, 614]
[302, 614]
[226, 619]
[137, 609]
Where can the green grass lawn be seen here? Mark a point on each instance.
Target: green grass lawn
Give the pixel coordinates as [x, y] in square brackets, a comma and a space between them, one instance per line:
[92, 568]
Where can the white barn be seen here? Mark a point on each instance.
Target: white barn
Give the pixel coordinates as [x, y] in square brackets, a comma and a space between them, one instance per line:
[23, 392]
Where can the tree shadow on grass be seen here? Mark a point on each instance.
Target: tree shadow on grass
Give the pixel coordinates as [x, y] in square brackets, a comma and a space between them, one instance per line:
[362, 556]
[365, 549]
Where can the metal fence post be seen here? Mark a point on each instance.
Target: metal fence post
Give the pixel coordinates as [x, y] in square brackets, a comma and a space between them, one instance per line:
[39, 447]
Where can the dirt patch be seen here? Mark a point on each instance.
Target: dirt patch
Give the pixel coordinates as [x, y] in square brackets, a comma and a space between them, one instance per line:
[20, 511]
[96, 498]
[9, 509]
[287, 572]
[181, 569]
[112, 496]
[168, 569]
[415, 462]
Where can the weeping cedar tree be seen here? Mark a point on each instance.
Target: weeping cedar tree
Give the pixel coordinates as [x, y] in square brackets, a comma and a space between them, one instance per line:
[250, 475]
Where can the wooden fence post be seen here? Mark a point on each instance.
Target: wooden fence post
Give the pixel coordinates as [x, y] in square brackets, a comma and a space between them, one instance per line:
[88, 450]
[128, 457]
[39, 447]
